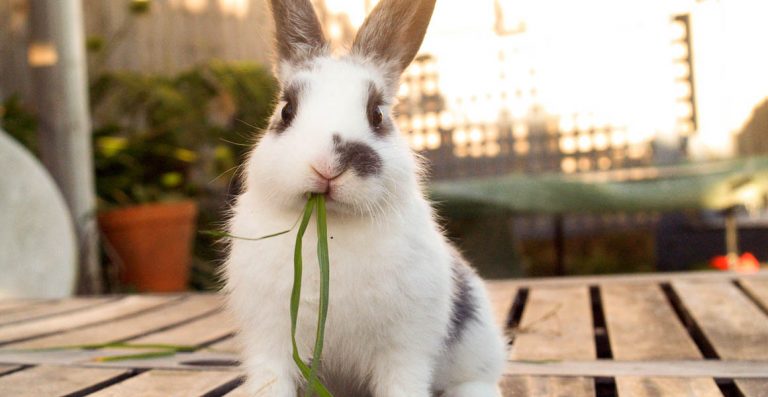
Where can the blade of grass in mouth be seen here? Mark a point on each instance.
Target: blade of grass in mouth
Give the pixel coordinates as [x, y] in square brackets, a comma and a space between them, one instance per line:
[314, 200]
[309, 373]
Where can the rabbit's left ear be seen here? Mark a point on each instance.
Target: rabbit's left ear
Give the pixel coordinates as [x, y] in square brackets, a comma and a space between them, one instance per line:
[394, 31]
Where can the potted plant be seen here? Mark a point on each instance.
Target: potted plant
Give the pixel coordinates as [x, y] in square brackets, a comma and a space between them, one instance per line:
[144, 159]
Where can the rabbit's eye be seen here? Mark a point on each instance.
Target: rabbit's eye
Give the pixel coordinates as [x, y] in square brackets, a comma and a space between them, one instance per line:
[287, 113]
[375, 117]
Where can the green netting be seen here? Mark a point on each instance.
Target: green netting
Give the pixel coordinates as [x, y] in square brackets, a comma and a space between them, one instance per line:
[712, 185]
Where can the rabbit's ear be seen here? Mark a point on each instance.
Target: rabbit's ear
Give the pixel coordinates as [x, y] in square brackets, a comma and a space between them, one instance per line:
[299, 36]
[394, 31]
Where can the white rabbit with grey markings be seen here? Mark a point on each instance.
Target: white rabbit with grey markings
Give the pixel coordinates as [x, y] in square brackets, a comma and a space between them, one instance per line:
[407, 316]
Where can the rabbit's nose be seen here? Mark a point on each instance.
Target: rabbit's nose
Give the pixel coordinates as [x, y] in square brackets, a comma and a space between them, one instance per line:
[326, 173]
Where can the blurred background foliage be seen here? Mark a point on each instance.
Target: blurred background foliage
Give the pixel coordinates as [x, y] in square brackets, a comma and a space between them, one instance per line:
[165, 138]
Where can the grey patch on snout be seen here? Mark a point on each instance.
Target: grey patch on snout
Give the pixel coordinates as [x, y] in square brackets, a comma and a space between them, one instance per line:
[357, 155]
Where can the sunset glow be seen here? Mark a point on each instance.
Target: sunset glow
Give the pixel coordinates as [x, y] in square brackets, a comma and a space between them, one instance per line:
[592, 65]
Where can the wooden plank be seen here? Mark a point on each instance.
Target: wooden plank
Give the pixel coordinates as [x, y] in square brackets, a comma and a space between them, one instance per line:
[556, 325]
[126, 328]
[123, 307]
[198, 332]
[54, 380]
[633, 386]
[165, 383]
[11, 305]
[547, 386]
[753, 387]
[653, 368]
[642, 324]
[5, 368]
[229, 345]
[239, 392]
[48, 308]
[636, 278]
[502, 295]
[736, 328]
[757, 288]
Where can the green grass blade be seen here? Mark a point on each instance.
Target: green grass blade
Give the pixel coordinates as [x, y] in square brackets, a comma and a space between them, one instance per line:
[324, 263]
[223, 234]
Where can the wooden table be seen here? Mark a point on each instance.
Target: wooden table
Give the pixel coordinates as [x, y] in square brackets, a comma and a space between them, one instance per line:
[691, 334]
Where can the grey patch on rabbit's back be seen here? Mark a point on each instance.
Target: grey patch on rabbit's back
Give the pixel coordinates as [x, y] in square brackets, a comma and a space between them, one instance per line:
[464, 305]
[359, 156]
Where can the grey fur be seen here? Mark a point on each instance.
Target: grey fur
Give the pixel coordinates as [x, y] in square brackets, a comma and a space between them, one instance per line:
[358, 156]
[464, 301]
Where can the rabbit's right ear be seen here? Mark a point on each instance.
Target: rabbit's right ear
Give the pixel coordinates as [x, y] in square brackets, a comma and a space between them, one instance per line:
[393, 32]
[299, 36]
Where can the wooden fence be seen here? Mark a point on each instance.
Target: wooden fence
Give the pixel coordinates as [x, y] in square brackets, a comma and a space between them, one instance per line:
[171, 36]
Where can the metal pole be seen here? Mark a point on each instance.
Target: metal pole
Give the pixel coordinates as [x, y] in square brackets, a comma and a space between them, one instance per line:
[731, 238]
[559, 245]
[56, 55]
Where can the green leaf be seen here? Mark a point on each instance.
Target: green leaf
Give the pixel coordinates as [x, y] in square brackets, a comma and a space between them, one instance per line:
[324, 263]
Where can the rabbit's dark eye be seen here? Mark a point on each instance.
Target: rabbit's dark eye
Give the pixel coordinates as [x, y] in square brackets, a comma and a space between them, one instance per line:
[287, 113]
[375, 117]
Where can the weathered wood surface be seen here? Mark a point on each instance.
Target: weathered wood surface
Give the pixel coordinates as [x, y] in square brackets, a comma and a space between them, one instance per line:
[501, 295]
[757, 288]
[556, 325]
[54, 381]
[753, 387]
[547, 386]
[44, 309]
[123, 307]
[194, 333]
[642, 325]
[658, 329]
[129, 327]
[164, 383]
[736, 328]
[662, 387]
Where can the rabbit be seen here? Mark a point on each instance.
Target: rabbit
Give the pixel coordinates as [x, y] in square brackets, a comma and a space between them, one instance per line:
[408, 317]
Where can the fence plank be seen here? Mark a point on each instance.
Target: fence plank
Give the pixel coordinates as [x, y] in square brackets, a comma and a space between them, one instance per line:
[753, 387]
[127, 328]
[164, 383]
[547, 386]
[633, 386]
[736, 328]
[194, 333]
[556, 325]
[642, 324]
[123, 307]
[49, 308]
[54, 380]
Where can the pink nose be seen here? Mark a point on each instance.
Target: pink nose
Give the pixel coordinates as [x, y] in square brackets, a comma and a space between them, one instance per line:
[325, 176]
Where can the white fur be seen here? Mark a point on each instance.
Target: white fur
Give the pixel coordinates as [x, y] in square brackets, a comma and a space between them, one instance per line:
[391, 284]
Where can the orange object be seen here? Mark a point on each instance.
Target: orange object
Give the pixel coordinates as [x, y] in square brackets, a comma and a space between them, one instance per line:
[746, 263]
[154, 243]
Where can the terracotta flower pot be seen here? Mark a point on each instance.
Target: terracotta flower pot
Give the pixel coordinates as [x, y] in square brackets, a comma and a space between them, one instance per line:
[154, 243]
